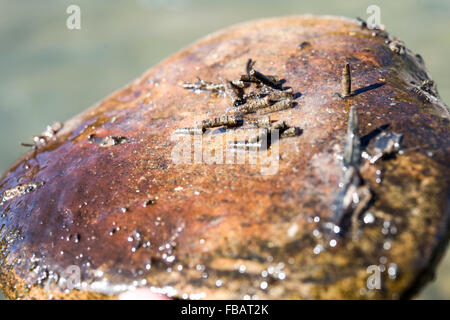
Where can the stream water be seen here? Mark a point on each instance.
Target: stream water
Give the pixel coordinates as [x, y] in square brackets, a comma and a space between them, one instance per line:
[50, 73]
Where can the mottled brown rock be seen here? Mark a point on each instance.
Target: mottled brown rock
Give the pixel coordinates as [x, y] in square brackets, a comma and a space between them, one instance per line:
[103, 194]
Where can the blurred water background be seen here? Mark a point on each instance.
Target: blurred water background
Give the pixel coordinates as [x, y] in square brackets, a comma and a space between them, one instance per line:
[49, 73]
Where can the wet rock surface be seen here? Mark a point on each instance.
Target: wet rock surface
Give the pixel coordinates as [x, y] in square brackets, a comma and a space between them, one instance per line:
[103, 194]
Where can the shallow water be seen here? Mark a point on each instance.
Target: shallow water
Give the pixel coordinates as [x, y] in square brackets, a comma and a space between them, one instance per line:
[49, 73]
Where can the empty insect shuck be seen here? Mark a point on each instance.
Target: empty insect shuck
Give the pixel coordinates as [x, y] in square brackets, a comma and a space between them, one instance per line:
[348, 193]
[346, 81]
[352, 149]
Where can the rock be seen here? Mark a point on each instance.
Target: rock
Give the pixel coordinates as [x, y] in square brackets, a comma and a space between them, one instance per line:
[232, 231]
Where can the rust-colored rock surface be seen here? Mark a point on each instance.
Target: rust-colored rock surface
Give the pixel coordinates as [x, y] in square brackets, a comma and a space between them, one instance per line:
[102, 194]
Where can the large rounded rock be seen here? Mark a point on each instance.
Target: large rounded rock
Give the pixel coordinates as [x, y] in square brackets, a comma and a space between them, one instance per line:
[340, 210]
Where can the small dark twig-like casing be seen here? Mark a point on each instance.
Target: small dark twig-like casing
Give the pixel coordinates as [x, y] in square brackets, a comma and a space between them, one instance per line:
[346, 81]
